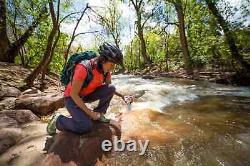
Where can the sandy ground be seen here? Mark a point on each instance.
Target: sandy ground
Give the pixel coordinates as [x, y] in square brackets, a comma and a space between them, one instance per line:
[28, 151]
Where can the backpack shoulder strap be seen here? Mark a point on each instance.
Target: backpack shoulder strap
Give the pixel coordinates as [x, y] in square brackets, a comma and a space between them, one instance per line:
[89, 69]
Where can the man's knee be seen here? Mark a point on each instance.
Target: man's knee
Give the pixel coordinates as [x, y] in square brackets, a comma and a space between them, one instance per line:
[111, 89]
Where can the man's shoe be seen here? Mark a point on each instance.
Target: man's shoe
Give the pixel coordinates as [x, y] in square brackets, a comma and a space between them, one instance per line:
[103, 119]
[51, 127]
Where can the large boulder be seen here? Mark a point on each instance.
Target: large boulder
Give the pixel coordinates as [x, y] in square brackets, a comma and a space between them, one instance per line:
[40, 104]
[13, 118]
[71, 149]
[9, 92]
[21, 116]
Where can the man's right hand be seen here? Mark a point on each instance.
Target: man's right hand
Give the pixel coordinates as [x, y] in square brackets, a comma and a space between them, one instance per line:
[128, 99]
[95, 115]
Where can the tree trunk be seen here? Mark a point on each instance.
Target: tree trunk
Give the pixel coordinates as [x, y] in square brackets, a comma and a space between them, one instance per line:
[46, 57]
[22, 56]
[143, 43]
[137, 5]
[14, 47]
[48, 52]
[4, 42]
[73, 35]
[47, 65]
[131, 54]
[117, 40]
[183, 39]
[20, 52]
[166, 52]
[139, 57]
[228, 36]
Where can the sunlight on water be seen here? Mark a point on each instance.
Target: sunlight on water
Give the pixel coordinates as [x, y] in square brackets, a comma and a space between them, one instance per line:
[149, 124]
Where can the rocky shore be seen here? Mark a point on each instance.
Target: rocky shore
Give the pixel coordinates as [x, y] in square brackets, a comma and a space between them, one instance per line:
[23, 117]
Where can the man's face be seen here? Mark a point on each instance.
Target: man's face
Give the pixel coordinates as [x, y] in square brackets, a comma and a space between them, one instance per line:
[108, 66]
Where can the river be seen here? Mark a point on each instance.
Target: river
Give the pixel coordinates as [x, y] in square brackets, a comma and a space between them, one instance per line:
[187, 122]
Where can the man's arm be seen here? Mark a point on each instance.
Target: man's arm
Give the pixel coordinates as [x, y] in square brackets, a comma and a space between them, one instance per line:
[116, 93]
[120, 95]
[76, 87]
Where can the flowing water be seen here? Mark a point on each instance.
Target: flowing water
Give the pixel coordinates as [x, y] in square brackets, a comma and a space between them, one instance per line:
[187, 122]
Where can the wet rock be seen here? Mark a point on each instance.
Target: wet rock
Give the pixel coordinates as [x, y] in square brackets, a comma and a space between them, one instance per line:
[8, 138]
[8, 103]
[40, 104]
[148, 77]
[21, 116]
[72, 149]
[9, 92]
[242, 79]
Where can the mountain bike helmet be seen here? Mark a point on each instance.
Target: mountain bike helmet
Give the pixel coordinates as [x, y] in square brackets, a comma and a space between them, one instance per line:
[112, 53]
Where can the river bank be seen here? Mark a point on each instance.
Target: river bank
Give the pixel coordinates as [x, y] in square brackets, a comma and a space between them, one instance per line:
[215, 76]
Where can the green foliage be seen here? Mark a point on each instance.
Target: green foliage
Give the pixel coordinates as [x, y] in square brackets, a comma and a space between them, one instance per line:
[56, 65]
[154, 42]
[206, 43]
[110, 19]
[207, 46]
[133, 60]
[36, 44]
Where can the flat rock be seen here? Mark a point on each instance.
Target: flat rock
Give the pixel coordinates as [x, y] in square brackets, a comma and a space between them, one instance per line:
[40, 104]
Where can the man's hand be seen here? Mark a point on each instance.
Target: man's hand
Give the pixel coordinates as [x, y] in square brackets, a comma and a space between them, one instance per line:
[95, 115]
[128, 99]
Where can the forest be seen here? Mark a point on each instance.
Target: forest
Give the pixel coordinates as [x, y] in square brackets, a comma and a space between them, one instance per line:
[181, 97]
[171, 35]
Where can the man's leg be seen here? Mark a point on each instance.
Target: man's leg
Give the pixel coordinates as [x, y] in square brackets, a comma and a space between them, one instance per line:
[80, 121]
[104, 94]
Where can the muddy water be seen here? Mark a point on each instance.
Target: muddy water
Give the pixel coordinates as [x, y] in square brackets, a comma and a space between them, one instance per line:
[187, 122]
